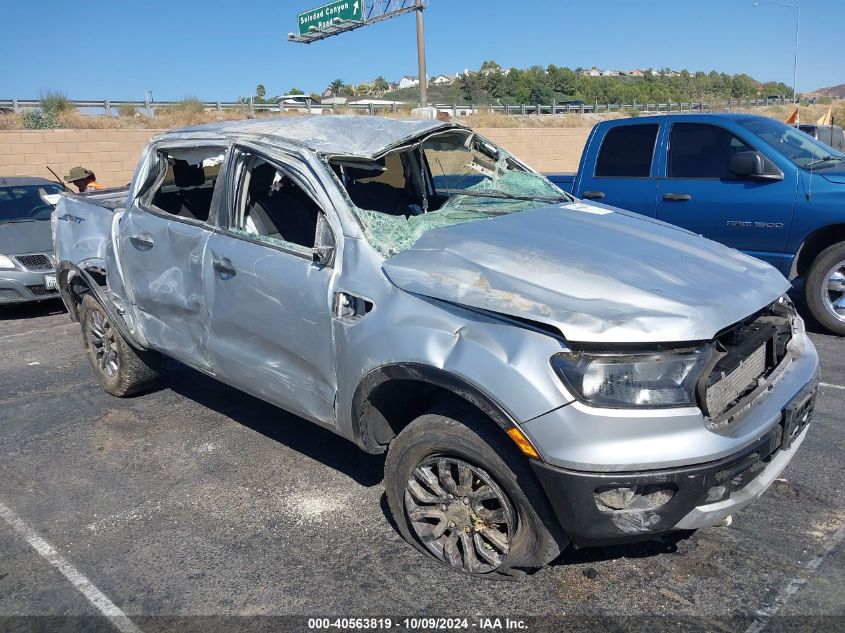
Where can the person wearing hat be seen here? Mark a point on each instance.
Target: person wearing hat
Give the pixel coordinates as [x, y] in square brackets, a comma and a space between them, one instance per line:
[83, 179]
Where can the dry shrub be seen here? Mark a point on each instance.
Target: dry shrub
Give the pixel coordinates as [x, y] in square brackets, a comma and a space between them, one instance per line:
[190, 111]
[10, 121]
[127, 110]
[493, 120]
[73, 120]
[55, 101]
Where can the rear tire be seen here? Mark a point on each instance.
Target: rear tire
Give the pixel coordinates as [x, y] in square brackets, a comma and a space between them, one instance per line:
[461, 493]
[824, 288]
[120, 369]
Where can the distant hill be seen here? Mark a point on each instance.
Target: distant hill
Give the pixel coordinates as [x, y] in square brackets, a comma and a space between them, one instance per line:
[494, 84]
[832, 91]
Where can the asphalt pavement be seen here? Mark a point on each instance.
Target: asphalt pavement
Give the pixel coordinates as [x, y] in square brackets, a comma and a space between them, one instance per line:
[195, 505]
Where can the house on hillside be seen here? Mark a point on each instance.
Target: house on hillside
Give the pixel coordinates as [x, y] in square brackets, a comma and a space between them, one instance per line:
[593, 72]
[610, 73]
[443, 80]
[408, 81]
[636, 72]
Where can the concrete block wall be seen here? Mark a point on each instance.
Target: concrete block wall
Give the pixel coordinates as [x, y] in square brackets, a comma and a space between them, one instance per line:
[546, 149]
[112, 154]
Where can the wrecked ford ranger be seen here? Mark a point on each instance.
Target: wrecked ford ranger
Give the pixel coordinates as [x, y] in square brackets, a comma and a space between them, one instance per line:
[539, 371]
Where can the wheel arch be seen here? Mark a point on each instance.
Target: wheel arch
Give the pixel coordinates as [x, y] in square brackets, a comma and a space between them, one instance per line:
[75, 282]
[389, 397]
[813, 245]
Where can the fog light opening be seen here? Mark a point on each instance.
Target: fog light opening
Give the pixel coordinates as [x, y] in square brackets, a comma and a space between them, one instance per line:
[632, 498]
[616, 498]
[716, 493]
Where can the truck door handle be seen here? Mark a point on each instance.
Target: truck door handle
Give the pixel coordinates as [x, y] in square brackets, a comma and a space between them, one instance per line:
[224, 269]
[142, 242]
[677, 197]
[594, 195]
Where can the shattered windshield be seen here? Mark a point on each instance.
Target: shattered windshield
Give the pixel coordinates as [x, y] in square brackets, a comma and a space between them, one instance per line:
[449, 178]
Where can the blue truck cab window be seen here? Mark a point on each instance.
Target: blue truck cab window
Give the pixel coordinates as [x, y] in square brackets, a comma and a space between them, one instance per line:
[702, 151]
[627, 152]
[624, 164]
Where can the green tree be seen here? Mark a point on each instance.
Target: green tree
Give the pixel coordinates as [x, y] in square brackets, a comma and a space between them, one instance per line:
[295, 91]
[381, 84]
[260, 93]
[337, 86]
[471, 87]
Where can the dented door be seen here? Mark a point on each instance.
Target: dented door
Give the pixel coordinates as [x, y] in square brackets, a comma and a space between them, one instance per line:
[271, 325]
[162, 261]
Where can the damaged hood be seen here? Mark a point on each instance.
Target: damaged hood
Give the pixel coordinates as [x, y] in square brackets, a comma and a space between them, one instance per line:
[31, 236]
[598, 274]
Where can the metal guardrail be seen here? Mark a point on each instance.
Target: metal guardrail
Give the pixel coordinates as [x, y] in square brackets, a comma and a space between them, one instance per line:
[455, 109]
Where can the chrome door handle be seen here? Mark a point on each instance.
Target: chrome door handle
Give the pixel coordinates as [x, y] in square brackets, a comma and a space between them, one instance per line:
[142, 242]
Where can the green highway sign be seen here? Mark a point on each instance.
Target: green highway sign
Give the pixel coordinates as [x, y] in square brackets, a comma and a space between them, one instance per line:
[321, 18]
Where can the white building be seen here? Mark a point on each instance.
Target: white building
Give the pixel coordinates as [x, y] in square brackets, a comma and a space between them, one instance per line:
[408, 82]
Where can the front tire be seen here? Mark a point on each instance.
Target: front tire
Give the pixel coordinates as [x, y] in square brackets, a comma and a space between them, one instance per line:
[120, 369]
[464, 495]
[824, 288]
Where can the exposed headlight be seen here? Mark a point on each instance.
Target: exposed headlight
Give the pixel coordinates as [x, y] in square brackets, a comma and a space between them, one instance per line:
[653, 379]
[6, 263]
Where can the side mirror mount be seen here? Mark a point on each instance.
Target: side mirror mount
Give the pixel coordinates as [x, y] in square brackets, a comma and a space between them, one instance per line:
[754, 166]
[324, 245]
[322, 255]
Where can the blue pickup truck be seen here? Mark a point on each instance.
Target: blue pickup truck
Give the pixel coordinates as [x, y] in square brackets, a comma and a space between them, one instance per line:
[750, 182]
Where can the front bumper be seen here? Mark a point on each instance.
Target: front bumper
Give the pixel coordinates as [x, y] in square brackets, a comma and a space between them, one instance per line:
[664, 500]
[21, 286]
[582, 438]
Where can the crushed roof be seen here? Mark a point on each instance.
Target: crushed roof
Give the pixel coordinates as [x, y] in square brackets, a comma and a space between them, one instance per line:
[346, 135]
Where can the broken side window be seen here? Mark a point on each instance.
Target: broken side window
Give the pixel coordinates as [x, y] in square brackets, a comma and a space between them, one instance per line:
[272, 207]
[187, 187]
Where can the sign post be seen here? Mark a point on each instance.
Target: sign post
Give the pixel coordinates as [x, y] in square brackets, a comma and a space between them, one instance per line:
[342, 16]
[423, 77]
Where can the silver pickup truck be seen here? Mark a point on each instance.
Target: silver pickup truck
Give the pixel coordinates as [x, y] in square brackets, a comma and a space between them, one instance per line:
[540, 371]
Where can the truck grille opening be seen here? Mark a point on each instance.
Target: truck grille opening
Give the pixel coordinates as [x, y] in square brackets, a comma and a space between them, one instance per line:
[732, 385]
[9, 293]
[35, 262]
[747, 354]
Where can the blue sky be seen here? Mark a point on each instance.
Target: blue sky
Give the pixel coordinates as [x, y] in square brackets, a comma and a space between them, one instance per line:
[220, 49]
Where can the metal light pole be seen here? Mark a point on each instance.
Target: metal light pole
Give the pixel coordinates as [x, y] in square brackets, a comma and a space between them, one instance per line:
[421, 56]
[797, 8]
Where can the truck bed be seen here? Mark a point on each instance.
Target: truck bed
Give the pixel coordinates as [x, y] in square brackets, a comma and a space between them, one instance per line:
[564, 180]
[82, 226]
